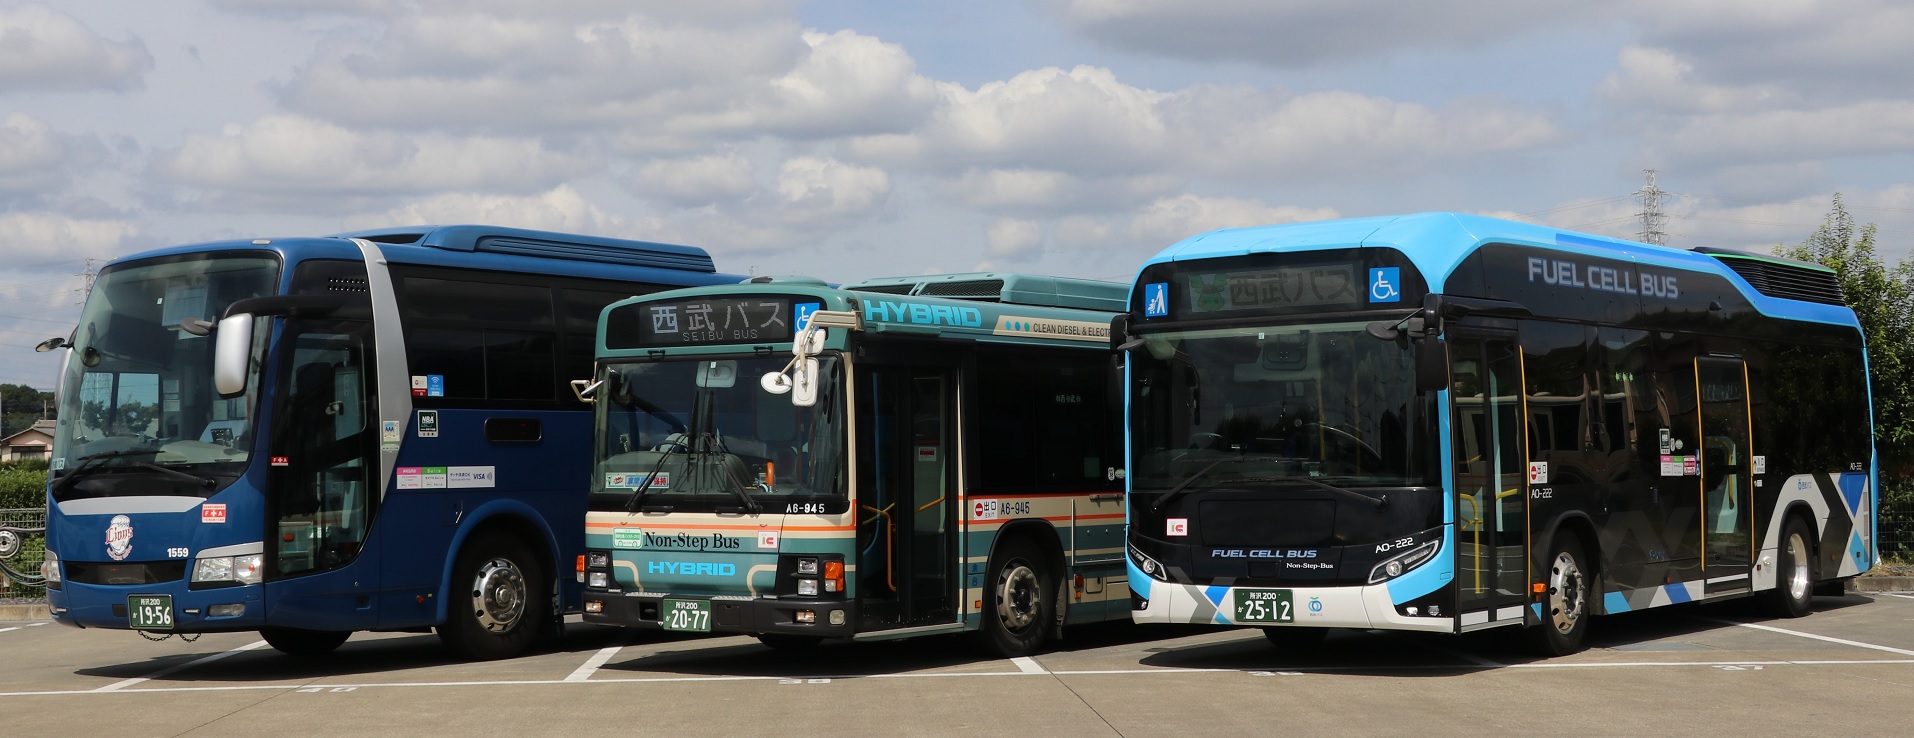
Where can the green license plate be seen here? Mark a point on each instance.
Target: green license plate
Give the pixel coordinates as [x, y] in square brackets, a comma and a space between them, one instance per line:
[1265, 606]
[687, 615]
[149, 612]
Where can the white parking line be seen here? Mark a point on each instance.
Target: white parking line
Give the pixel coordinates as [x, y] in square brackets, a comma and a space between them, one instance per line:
[1028, 665]
[1285, 671]
[3, 630]
[1829, 639]
[584, 673]
[124, 683]
[1904, 597]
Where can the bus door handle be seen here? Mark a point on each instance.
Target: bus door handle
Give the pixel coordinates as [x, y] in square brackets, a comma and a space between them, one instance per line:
[1107, 497]
[456, 511]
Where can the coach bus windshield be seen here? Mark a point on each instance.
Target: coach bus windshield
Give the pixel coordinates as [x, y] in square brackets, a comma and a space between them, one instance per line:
[138, 401]
[702, 435]
[1325, 402]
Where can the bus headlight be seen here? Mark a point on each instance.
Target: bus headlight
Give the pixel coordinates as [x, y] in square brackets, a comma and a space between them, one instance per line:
[1395, 566]
[246, 569]
[1148, 565]
[50, 568]
[598, 579]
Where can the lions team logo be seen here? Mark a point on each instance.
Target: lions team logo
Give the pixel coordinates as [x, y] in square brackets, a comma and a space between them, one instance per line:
[119, 538]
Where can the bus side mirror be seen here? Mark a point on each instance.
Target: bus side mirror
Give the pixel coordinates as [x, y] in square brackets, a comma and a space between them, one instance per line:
[233, 355]
[1432, 364]
[804, 383]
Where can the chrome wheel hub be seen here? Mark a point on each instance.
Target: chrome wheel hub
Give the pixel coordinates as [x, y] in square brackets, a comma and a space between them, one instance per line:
[498, 595]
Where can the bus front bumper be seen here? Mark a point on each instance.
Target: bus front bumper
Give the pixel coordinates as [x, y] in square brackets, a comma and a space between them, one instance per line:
[105, 606]
[746, 615]
[1365, 607]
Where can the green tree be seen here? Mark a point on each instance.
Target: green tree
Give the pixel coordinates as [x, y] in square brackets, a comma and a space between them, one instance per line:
[22, 405]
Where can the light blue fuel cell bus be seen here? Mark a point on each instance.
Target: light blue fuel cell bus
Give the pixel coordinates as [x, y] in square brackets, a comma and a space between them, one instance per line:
[897, 458]
[1449, 423]
[313, 436]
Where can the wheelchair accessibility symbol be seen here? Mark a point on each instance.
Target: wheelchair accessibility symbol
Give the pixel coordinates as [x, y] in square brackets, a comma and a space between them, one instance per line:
[1382, 284]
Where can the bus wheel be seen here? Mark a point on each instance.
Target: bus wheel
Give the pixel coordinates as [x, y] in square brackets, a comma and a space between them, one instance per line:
[1018, 609]
[304, 643]
[1565, 612]
[786, 642]
[492, 612]
[1793, 593]
[1296, 640]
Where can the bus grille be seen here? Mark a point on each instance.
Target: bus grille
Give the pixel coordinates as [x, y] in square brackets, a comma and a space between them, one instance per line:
[129, 572]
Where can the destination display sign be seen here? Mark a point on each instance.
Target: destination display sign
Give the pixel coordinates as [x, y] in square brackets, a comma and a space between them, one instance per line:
[1302, 286]
[711, 320]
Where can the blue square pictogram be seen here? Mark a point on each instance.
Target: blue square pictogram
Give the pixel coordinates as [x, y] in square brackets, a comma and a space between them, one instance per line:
[1385, 284]
[1156, 299]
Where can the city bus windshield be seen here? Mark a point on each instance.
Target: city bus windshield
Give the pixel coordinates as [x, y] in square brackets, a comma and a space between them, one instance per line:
[138, 396]
[702, 435]
[1322, 402]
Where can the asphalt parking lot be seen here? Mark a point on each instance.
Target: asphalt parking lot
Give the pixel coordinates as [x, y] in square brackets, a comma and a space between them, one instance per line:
[1713, 670]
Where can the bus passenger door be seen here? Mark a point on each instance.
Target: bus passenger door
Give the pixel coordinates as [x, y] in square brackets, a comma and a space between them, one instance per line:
[1491, 499]
[906, 467]
[1726, 467]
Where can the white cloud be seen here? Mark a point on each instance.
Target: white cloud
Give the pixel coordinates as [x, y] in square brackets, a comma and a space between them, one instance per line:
[36, 160]
[288, 161]
[696, 181]
[1827, 50]
[1879, 127]
[32, 237]
[1049, 191]
[1085, 122]
[811, 189]
[1170, 219]
[1658, 79]
[1304, 32]
[47, 50]
[1014, 239]
[675, 79]
[559, 209]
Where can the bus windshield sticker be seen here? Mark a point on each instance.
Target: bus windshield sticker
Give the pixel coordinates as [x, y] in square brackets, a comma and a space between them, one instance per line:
[1156, 299]
[434, 385]
[428, 424]
[1383, 283]
[1177, 527]
[471, 477]
[388, 435]
[418, 385]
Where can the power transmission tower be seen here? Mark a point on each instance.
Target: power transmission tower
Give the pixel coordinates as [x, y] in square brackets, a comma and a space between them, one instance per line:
[1653, 219]
[89, 275]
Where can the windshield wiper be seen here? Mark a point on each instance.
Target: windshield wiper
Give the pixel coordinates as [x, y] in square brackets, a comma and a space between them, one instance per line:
[89, 461]
[638, 495]
[1380, 503]
[1183, 487]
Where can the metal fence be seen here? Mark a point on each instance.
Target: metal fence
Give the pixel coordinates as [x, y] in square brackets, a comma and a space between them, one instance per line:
[23, 545]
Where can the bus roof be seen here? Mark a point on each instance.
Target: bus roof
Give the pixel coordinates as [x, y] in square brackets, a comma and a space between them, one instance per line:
[1009, 289]
[1024, 309]
[495, 248]
[1437, 242]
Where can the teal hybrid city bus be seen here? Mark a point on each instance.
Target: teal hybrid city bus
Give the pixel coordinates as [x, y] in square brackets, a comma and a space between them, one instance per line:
[897, 458]
[308, 437]
[1449, 423]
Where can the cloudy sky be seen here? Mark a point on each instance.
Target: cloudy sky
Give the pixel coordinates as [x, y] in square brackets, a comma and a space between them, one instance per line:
[859, 138]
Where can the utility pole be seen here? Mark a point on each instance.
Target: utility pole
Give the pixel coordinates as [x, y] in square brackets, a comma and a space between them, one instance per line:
[1653, 219]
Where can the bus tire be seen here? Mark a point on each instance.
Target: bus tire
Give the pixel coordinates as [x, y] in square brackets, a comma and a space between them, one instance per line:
[1018, 610]
[307, 644]
[789, 643]
[1565, 600]
[496, 602]
[1793, 593]
[1296, 640]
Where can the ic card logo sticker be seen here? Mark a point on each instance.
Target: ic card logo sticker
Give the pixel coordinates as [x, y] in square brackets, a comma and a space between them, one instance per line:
[1156, 300]
[119, 538]
[1384, 284]
[768, 539]
[1178, 527]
